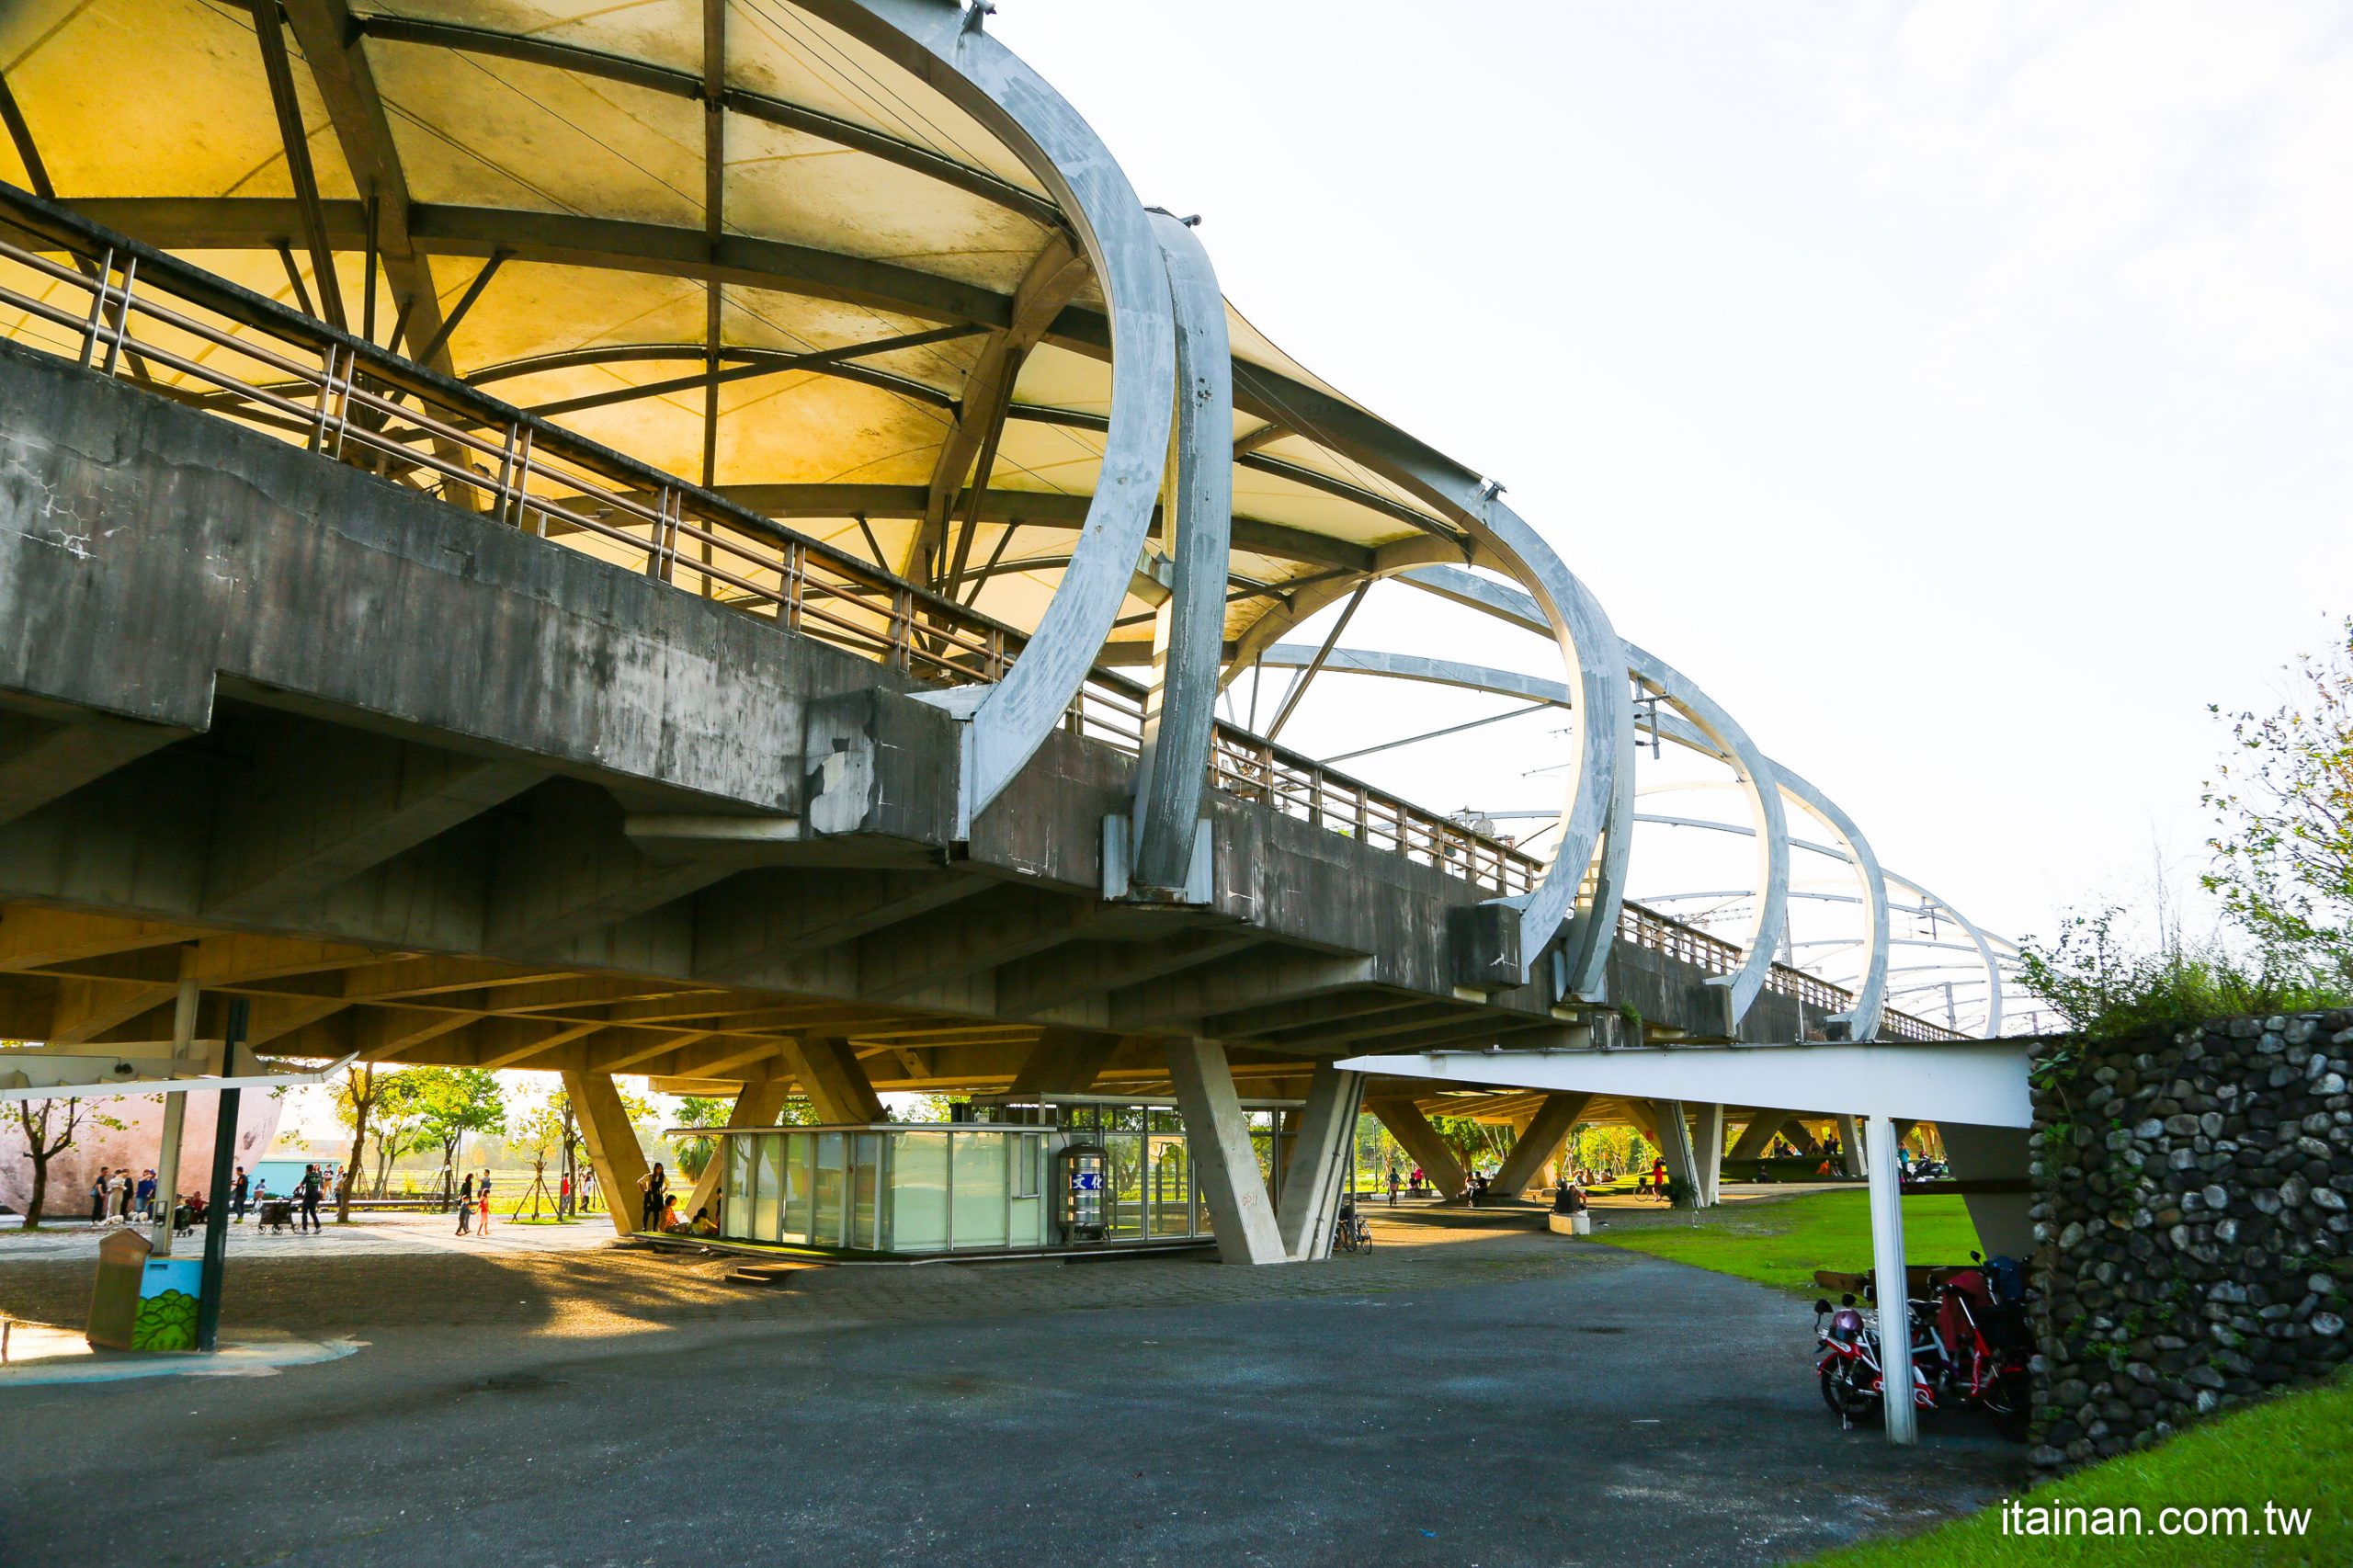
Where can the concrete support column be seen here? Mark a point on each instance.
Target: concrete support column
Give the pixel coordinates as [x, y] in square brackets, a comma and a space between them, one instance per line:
[1064, 1061]
[613, 1145]
[1319, 1164]
[1412, 1130]
[1993, 1154]
[1217, 1136]
[1887, 1253]
[1707, 1145]
[1801, 1137]
[1538, 1141]
[836, 1083]
[1674, 1140]
[1851, 1146]
[1757, 1136]
[168, 1163]
[758, 1105]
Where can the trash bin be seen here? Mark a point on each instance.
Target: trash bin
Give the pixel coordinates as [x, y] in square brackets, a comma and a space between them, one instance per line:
[142, 1303]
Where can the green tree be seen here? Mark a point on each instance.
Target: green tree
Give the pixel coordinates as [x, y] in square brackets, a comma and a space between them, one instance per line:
[2283, 805]
[698, 1110]
[398, 1123]
[452, 1102]
[363, 1088]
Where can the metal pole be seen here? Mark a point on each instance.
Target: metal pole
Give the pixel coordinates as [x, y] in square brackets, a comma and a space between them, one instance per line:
[168, 1163]
[1895, 1308]
[216, 1214]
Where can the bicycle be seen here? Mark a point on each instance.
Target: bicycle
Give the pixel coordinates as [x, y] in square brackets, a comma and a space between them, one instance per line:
[1349, 1231]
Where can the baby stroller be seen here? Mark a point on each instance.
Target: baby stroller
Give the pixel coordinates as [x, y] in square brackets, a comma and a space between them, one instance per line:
[277, 1215]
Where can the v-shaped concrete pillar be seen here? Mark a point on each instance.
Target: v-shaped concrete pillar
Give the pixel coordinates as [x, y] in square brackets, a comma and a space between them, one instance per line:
[1538, 1142]
[1319, 1163]
[1413, 1130]
[1218, 1137]
[757, 1106]
[612, 1146]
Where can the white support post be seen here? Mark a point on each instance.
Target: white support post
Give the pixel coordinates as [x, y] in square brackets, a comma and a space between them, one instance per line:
[167, 1161]
[1894, 1312]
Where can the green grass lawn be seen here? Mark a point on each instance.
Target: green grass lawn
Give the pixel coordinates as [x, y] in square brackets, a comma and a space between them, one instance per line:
[1782, 1244]
[2296, 1451]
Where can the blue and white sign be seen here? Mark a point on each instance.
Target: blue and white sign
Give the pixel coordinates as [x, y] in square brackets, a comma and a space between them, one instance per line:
[1086, 1181]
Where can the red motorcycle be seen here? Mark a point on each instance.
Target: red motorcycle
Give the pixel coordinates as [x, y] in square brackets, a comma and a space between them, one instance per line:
[1970, 1346]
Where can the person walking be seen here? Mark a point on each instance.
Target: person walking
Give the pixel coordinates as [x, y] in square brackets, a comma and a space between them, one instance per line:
[1658, 1178]
[564, 1196]
[654, 1184]
[313, 1187]
[143, 1195]
[1392, 1187]
[99, 1196]
[466, 1203]
[482, 1220]
[588, 1190]
[240, 1190]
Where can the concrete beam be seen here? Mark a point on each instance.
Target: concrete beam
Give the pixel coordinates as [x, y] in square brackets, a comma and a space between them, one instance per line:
[566, 870]
[957, 943]
[1218, 1137]
[1064, 1061]
[612, 1146]
[1421, 1141]
[1225, 984]
[1759, 1135]
[320, 805]
[44, 759]
[1086, 971]
[1539, 1141]
[31, 937]
[836, 1083]
[773, 916]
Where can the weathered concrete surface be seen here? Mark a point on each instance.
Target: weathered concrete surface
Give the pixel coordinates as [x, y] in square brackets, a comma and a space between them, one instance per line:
[245, 690]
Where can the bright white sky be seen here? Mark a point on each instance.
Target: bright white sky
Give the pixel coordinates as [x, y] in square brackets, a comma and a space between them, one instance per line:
[1959, 392]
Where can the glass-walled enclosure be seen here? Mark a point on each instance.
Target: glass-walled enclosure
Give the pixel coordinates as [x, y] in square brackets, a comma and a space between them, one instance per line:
[1018, 1175]
[896, 1189]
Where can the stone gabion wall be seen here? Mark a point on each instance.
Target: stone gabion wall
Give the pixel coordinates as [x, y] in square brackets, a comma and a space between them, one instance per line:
[2190, 1212]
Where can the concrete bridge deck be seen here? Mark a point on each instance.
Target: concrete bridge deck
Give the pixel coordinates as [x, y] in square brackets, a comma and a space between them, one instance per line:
[429, 788]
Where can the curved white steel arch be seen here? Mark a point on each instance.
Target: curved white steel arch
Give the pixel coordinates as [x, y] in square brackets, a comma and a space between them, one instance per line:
[1864, 1019]
[1760, 781]
[1180, 707]
[947, 47]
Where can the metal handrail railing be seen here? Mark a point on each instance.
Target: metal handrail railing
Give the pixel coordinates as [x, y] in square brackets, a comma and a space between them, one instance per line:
[198, 339]
[175, 328]
[1647, 928]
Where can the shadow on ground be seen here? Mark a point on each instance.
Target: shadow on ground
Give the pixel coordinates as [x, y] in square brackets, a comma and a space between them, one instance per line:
[1473, 1391]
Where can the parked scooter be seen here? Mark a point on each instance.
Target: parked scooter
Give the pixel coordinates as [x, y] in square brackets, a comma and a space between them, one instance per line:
[1970, 1346]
